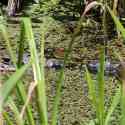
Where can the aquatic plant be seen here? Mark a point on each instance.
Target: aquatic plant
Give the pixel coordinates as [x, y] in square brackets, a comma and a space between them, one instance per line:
[38, 83]
[97, 96]
[14, 80]
[121, 29]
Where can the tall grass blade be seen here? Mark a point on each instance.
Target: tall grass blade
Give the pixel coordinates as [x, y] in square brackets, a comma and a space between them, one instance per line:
[115, 6]
[57, 97]
[20, 87]
[61, 75]
[6, 38]
[13, 107]
[122, 80]
[8, 86]
[119, 26]
[91, 86]
[23, 98]
[92, 92]
[29, 95]
[42, 85]
[101, 87]
[123, 103]
[40, 89]
[7, 118]
[122, 30]
[21, 47]
[115, 102]
[122, 83]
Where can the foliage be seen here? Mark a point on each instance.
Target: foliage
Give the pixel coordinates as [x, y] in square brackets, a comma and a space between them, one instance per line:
[102, 117]
[97, 98]
[120, 27]
[38, 80]
[14, 79]
[38, 86]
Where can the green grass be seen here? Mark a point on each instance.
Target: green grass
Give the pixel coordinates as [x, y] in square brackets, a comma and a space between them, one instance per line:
[102, 116]
[21, 92]
[14, 80]
[37, 63]
[96, 90]
[121, 29]
[97, 95]
[27, 36]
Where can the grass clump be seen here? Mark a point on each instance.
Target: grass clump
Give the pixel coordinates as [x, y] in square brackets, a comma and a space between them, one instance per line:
[15, 80]
[38, 86]
[97, 95]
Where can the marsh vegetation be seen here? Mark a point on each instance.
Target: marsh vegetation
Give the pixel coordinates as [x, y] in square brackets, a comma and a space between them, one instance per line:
[62, 62]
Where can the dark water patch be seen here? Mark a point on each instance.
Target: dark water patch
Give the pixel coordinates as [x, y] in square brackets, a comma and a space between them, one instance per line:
[110, 69]
[64, 18]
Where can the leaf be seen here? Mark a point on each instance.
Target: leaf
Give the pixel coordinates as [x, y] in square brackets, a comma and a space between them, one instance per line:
[116, 100]
[91, 86]
[101, 87]
[115, 5]
[38, 72]
[7, 40]
[118, 24]
[14, 108]
[9, 85]
[7, 118]
[31, 89]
